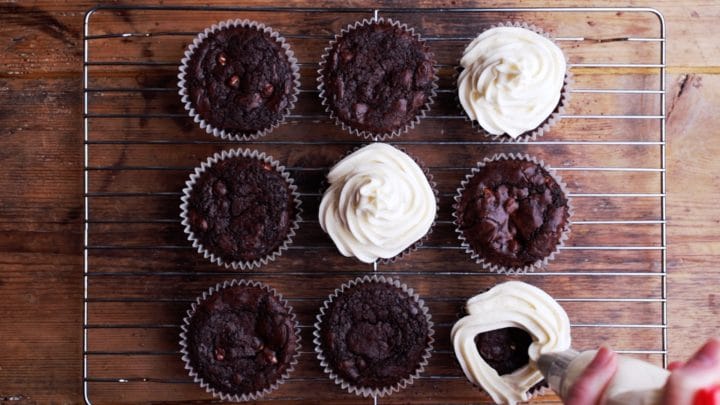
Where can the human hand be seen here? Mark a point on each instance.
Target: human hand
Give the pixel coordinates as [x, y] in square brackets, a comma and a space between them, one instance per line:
[689, 383]
[591, 384]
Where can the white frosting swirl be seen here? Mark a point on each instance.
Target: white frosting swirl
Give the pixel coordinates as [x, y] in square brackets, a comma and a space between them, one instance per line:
[378, 204]
[511, 304]
[512, 80]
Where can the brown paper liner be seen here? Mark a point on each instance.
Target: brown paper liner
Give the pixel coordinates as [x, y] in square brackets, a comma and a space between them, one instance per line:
[478, 257]
[247, 153]
[252, 396]
[363, 133]
[549, 122]
[365, 391]
[185, 97]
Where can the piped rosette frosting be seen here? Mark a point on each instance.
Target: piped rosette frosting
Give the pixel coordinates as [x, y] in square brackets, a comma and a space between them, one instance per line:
[511, 80]
[379, 203]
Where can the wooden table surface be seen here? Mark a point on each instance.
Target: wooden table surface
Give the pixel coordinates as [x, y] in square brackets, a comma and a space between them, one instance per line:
[41, 207]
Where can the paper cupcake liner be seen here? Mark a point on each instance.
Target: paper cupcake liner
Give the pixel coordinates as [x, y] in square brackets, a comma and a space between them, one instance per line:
[549, 122]
[478, 257]
[186, 356]
[365, 391]
[433, 185]
[368, 134]
[185, 97]
[187, 191]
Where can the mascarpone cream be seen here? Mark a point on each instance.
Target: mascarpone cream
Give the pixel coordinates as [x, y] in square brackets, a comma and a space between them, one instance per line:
[512, 80]
[378, 204]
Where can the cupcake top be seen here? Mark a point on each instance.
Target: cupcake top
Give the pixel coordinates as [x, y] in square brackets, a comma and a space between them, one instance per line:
[500, 340]
[374, 335]
[241, 340]
[377, 77]
[240, 79]
[512, 213]
[512, 80]
[241, 208]
[379, 203]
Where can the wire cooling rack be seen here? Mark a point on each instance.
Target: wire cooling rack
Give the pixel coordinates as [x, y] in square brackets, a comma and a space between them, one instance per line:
[140, 274]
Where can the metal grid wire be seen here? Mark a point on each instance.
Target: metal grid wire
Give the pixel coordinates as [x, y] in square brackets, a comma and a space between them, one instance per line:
[91, 249]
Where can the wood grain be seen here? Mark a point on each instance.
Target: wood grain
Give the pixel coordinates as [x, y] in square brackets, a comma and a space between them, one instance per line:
[41, 151]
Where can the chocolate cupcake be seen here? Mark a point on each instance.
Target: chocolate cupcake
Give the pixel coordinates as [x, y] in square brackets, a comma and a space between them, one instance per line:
[512, 213]
[380, 205]
[239, 79]
[377, 78]
[240, 340]
[240, 209]
[513, 82]
[500, 340]
[373, 336]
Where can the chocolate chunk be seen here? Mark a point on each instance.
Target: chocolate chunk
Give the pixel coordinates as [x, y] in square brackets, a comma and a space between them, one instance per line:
[512, 213]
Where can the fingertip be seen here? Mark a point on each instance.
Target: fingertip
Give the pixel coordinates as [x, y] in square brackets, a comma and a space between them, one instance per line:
[707, 356]
[588, 389]
[605, 357]
[675, 365]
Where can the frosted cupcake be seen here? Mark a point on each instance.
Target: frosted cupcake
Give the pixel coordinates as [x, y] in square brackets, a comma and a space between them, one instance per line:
[506, 330]
[512, 82]
[379, 204]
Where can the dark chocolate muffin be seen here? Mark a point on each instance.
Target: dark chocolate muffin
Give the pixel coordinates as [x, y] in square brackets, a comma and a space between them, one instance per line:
[374, 336]
[239, 80]
[505, 350]
[240, 208]
[512, 213]
[378, 78]
[240, 340]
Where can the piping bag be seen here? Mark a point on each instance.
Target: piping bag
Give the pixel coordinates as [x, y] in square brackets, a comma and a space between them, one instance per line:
[635, 382]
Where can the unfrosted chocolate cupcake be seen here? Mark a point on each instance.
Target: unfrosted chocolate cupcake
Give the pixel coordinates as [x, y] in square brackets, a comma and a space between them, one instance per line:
[511, 213]
[240, 208]
[240, 340]
[373, 336]
[239, 79]
[377, 78]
